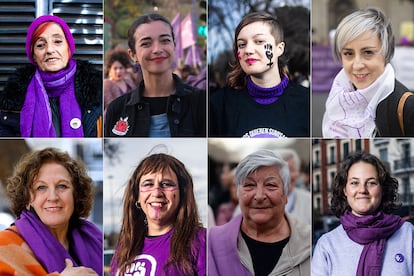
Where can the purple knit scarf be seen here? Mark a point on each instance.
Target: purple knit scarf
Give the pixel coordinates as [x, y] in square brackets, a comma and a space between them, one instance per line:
[85, 242]
[266, 95]
[372, 231]
[36, 114]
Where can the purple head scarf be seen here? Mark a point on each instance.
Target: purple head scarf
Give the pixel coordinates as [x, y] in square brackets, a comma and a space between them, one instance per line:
[47, 18]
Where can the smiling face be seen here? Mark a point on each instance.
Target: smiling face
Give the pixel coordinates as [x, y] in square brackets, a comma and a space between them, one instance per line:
[363, 60]
[154, 47]
[261, 196]
[52, 196]
[257, 50]
[159, 198]
[363, 190]
[51, 50]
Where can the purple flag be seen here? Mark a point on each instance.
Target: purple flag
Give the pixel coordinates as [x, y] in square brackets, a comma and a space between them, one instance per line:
[193, 56]
[187, 32]
[176, 23]
[324, 68]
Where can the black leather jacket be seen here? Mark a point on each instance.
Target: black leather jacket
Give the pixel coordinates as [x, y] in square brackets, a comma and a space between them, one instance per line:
[186, 112]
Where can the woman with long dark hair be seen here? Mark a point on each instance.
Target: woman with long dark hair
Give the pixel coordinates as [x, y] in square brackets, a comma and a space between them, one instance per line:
[161, 230]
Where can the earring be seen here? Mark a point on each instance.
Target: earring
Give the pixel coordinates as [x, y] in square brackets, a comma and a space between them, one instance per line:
[138, 205]
[136, 67]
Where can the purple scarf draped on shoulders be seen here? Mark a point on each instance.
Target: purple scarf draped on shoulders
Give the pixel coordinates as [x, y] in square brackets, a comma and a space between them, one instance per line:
[36, 114]
[372, 231]
[85, 242]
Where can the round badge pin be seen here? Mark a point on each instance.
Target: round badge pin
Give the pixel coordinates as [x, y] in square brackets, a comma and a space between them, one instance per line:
[75, 123]
[399, 258]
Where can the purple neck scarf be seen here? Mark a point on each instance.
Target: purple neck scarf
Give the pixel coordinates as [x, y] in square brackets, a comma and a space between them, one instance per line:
[266, 95]
[372, 231]
[36, 115]
[85, 241]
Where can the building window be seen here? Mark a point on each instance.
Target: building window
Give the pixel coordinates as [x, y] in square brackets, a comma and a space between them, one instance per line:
[406, 148]
[346, 149]
[317, 157]
[332, 178]
[331, 155]
[318, 204]
[406, 193]
[358, 145]
[383, 154]
[317, 183]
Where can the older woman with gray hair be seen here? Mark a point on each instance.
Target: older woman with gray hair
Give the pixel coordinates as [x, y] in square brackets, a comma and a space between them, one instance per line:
[263, 240]
[366, 100]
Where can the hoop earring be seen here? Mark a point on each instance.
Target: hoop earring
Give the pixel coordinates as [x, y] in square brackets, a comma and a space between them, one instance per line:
[138, 205]
[136, 67]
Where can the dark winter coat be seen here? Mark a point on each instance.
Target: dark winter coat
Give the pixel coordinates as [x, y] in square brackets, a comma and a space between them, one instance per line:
[88, 91]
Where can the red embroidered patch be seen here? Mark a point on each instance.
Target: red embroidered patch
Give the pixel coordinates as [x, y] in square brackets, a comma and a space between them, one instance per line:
[121, 127]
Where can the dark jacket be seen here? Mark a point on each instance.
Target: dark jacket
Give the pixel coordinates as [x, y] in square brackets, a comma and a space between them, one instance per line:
[387, 116]
[234, 113]
[186, 112]
[88, 91]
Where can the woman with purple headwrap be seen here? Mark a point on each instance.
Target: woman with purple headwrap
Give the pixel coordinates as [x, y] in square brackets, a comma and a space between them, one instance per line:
[370, 240]
[54, 96]
[51, 195]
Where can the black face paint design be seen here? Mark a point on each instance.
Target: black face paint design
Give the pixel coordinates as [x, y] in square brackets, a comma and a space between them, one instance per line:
[269, 54]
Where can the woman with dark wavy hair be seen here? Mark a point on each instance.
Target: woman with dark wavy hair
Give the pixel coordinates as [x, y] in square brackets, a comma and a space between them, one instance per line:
[161, 231]
[370, 240]
[119, 80]
[50, 194]
[260, 100]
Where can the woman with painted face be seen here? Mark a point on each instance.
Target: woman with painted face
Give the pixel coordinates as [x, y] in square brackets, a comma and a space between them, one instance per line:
[54, 96]
[51, 195]
[370, 240]
[264, 239]
[161, 232]
[162, 105]
[259, 101]
[366, 100]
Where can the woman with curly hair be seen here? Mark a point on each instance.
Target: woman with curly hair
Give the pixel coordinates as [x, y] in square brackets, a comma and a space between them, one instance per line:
[370, 240]
[50, 194]
[161, 231]
[119, 81]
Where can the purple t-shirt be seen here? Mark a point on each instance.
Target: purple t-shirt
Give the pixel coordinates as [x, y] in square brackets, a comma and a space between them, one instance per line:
[156, 252]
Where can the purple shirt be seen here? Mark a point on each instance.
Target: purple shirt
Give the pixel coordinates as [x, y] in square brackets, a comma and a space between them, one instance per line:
[156, 252]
